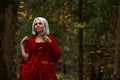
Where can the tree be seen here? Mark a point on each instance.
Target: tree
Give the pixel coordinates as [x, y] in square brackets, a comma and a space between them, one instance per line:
[80, 20]
[117, 49]
[8, 17]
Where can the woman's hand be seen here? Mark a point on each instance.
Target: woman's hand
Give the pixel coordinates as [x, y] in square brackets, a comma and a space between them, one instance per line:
[23, 40]
[47, 39]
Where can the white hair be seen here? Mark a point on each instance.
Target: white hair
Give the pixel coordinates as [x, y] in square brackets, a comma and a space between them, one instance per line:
[44, 23]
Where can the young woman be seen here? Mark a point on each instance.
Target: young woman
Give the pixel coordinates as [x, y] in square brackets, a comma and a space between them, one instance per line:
[40, 53]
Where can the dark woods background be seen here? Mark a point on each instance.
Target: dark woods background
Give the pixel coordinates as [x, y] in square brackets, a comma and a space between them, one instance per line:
[87, 32]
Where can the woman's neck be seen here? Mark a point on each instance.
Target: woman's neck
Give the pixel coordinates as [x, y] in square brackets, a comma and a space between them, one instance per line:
[39, 35]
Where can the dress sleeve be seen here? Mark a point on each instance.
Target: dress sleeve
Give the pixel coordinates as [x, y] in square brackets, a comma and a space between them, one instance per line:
[27, 47]
[55, 49]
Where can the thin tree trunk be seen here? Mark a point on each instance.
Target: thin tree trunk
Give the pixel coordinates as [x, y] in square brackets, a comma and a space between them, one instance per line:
[80, 20]
[117, 49]
[93, 75]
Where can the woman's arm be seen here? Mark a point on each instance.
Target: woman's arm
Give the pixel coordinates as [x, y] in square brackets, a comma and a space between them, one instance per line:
[55, 50]
[53, 44]
[22, 45]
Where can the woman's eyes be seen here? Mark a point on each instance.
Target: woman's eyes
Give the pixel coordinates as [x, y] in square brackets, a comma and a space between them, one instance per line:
[38, 23]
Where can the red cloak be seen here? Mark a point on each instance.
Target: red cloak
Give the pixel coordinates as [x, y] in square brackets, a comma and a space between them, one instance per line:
[42, 60]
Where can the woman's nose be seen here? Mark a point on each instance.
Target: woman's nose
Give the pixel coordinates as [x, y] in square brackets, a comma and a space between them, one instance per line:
[38, 24]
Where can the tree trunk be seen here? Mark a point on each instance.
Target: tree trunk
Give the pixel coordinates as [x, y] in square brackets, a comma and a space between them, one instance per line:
[7, 38]
[93, 75]
[117, 49]
[80, 20]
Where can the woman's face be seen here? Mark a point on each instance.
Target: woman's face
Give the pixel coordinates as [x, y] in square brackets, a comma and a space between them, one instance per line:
[38, 26]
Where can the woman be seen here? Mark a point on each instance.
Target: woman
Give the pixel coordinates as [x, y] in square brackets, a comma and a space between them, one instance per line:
[40, 53]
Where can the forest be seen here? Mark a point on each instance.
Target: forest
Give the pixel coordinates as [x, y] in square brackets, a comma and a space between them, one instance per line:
[87, 32]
